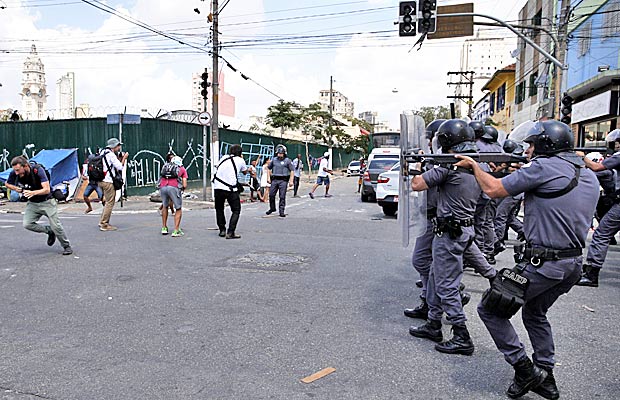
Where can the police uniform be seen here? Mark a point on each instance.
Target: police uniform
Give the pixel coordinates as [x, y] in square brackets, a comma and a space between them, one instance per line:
[553, 184]
[605, 232]
[506, 217]
[458, 192]
[280, 174]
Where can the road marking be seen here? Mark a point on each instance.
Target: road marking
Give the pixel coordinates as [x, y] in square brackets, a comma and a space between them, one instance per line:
[10, 220]
[6, 226]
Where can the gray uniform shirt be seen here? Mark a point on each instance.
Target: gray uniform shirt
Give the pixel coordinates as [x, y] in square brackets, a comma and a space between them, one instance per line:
[281, 168]
[562, 222]
[485, 147]
[613, 163]
[458, 192]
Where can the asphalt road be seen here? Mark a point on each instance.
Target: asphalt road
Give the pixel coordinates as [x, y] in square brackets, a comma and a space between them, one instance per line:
[136, 315]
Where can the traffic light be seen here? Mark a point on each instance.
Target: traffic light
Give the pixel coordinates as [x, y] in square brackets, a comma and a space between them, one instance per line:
[204, 84]
[407, 18]
[428, 12]
[567, 109]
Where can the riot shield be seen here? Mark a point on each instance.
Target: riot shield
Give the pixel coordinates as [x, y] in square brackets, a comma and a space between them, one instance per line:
[411, 205]
[519, 133]
[501, 136]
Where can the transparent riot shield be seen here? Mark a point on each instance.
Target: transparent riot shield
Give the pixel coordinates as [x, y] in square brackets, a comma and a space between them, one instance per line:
[411, 205]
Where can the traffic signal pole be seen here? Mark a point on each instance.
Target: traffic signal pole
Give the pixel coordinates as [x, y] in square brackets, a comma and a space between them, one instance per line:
[215, 92]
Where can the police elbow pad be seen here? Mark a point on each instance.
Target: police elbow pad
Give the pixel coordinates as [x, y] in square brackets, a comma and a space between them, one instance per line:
[506, 295]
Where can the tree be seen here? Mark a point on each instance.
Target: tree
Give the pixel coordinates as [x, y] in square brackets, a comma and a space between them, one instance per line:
[284, 115]
[432, 113]
[315, 120]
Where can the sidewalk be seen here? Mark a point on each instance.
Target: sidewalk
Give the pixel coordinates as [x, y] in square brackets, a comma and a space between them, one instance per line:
[143, 204]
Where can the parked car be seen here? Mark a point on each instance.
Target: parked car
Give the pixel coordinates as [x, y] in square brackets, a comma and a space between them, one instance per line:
[369, 181]
[353, 168]
[387, 190]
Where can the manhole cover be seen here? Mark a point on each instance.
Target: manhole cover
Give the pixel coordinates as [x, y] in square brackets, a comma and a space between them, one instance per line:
[276, 262]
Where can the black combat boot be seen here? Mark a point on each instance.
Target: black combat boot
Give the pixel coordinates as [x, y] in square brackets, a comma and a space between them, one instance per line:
[430, 330]
[547, 389]
[499, 247]
[490, 259]
[465, 298]
[420, 311]
[527, 377]
[418, 283]
[589, 276]
[459, 344]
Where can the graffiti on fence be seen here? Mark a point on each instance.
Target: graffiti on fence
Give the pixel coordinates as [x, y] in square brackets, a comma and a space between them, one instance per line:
[5, 156]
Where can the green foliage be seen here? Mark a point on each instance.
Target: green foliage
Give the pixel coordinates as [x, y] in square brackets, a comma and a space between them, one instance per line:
[285, 115]
[432, 113]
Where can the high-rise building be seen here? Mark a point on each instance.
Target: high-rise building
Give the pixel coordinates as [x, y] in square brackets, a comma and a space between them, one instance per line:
[226, 100]
[65, 92]
[340, 103]
[34, 89]
[369, 116]
[482, 55]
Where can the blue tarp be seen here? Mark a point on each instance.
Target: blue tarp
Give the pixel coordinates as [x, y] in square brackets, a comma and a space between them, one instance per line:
[62, 164]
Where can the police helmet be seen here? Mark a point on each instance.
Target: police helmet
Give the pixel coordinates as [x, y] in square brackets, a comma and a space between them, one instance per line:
[281, 149]
[456, 135]
[478, 128]
[432, 128]
[550, 137]
[611, 139]
[490, 134]
[512, 147]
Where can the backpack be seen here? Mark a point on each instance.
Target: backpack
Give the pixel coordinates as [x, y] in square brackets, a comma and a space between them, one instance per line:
[95, 167]
[170, 171]
[34, 166]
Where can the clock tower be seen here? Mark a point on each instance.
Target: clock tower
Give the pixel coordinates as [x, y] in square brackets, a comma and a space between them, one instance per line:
[34, 91]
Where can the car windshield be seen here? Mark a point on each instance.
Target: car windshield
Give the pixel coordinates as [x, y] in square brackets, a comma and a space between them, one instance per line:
[354, 164]
[396, 167]
[384, 164]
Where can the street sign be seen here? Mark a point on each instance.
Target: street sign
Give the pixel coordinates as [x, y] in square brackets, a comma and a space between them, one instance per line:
[127, 119]
[204, 118]
[450, 27]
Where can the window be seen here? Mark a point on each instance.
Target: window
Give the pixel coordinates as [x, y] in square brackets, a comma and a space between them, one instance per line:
[533, 90]
[536, 20]
[492, 104]
[585, 37]
[611, 20]
[520, 93]
[501, 97]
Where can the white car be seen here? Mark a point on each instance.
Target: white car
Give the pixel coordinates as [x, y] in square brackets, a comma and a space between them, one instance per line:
[387, 190]
[353, 168]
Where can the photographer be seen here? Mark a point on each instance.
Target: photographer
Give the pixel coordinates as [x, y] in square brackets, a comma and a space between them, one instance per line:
[31, 181]
[112, 168]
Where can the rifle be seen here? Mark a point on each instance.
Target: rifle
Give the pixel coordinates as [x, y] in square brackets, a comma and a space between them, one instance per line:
[449, 159]
[587, 150]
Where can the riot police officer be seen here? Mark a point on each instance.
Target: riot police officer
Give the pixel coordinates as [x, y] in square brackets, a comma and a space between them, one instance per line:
[454, 233]
[282, 171]
[553, 182]
[610, 224]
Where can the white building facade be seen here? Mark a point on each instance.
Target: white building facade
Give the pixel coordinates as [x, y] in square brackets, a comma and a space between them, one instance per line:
[340, 103]
[34, 89]
[65, 92]
[482, 55]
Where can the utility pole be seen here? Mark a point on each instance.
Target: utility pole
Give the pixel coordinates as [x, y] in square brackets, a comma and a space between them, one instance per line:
[561, 54]
[331, 99]
[465, 78]
[215, 92]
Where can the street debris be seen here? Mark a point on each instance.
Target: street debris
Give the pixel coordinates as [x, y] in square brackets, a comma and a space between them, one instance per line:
[318, 375]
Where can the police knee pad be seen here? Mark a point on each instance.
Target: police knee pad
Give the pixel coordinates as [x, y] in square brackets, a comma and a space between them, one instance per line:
[507, 293]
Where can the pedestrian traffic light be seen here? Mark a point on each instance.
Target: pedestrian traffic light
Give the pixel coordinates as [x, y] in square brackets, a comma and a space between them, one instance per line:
[407, 18]
[204, 84]
[428, 20]
[567, 109]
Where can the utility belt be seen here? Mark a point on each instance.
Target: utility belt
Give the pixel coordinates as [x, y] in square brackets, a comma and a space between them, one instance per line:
[279, 178]
[507, 292]
[451, 226]
[431, 213]
[538, 255]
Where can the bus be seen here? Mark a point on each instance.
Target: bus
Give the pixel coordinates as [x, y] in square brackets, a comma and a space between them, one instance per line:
[384, 145]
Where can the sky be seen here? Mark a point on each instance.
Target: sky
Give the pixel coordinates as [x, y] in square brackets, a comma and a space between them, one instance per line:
[288, 49]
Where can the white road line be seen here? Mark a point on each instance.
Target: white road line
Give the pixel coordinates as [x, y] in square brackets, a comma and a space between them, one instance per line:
[6, 226]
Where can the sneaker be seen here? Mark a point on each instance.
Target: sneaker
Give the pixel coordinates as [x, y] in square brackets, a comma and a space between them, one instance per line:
[232, 236]
[282, 215]
[67, 251]
[329, 195]
[164, 230]
[311, 195]
[269, 212]
[222, 233]
[178, 233]
[108, 227]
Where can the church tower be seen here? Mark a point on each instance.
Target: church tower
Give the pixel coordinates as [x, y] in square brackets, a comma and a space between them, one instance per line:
[34, 91]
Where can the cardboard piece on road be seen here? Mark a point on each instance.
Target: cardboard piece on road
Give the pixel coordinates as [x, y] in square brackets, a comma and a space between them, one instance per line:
[450, 27]
[318, 375]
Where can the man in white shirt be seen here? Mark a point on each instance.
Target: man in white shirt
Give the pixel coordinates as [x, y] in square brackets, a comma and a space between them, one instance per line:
[225, 188]
[298, 167]
[111, 165]
[323, 176]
